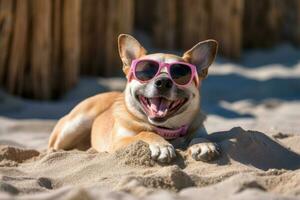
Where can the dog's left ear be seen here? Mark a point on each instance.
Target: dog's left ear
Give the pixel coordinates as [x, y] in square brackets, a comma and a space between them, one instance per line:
[202, 55]
[129, 49]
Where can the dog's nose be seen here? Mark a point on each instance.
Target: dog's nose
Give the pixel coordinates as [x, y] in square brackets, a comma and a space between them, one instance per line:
[163, 83]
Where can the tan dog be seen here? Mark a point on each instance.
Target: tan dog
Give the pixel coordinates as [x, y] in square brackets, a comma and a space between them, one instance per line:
[158, 111]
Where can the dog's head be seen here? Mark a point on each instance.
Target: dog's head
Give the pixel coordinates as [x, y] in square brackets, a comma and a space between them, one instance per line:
[160, 100]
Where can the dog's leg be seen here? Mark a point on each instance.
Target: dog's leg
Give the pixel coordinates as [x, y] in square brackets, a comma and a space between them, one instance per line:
[161, 150]
[202, 149]
[69, 131]
[74, 129]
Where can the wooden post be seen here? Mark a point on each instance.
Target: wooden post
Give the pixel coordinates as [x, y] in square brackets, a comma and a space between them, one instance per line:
[165, 23]
[291, 22]
[70, 42]
[6, 30]
[57, 72]
[226, 25]
[19, 50]
[41, 49]
[297, 23]
[119, 20]
[194, 22]
[143, 19]
[262, 24]
[93, 24]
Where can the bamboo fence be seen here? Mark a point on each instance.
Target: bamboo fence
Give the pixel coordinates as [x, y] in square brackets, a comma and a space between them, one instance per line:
[46, 44]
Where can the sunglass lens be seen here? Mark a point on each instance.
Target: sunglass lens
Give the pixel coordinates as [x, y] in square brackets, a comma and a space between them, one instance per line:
[146, 70]
[181, 73]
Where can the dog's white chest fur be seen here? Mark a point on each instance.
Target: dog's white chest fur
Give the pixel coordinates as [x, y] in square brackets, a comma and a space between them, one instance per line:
[123, 132]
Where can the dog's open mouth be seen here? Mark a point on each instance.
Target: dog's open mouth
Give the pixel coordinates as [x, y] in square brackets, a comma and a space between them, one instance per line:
[159, 108]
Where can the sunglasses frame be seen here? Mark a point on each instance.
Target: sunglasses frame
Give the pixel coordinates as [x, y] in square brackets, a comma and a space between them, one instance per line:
[194, 75]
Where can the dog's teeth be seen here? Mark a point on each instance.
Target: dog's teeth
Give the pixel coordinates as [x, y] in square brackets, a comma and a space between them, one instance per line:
[171, 105]
[162, 113]
[153, 107]
[176, 103]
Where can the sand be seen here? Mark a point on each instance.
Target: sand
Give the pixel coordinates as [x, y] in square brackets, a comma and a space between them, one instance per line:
[251, 163]
[255, 119]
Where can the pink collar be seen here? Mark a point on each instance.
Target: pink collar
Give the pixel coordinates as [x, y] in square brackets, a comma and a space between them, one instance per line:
[171, 133]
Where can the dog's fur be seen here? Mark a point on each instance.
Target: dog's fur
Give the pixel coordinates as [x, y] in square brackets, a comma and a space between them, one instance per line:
[114, 120]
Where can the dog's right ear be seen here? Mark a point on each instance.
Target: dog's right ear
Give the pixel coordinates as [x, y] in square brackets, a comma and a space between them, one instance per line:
[129, 49]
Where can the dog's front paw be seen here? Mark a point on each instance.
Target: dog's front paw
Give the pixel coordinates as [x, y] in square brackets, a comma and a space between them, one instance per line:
[163, 153]
[204, 150]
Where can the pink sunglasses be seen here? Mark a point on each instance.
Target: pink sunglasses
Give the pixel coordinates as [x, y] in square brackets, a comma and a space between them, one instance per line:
[182, 74]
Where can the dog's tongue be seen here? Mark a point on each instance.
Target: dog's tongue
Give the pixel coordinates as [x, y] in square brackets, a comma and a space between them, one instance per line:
[159, 107]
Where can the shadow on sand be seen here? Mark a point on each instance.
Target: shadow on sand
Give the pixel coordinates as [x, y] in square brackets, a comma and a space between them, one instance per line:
[255, 149]
[233, 87]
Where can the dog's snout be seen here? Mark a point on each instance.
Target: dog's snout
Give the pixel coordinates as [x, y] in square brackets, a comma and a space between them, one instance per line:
[163, 83]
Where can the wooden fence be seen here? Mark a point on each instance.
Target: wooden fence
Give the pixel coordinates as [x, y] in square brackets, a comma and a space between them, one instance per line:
[46, 44]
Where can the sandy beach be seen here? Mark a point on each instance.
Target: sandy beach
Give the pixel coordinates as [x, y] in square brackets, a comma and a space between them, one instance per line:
[253, 112]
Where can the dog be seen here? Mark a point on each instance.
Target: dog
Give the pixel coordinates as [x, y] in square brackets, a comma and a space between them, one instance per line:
[160, 106]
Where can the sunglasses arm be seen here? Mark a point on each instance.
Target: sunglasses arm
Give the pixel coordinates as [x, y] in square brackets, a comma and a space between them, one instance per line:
[129, 76]
[197, 81]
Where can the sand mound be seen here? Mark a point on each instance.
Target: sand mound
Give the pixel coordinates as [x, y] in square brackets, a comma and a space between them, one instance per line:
[137, 154]
[10, 156]
[251, 164]
[240, 186]
[171, 178]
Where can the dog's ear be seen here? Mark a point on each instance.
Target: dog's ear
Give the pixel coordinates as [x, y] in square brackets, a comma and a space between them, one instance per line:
[202, 55]
[129, 49]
